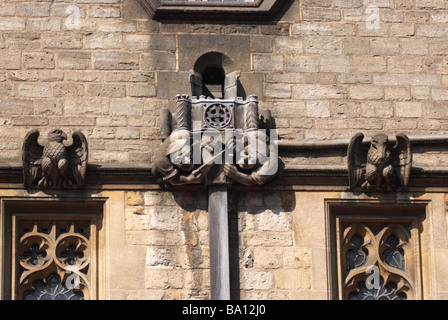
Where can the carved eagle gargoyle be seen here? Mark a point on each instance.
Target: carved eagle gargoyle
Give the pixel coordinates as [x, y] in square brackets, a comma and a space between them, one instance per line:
[61, 166]
[381, 165]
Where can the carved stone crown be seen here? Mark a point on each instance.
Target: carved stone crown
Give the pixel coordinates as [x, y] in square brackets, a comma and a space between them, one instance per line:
[218, 114]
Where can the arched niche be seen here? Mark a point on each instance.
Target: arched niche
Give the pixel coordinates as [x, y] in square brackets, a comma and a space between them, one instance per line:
[214, 76]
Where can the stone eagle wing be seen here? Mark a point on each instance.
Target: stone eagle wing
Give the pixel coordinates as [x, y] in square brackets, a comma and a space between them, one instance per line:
[77, 154]
[402, 159]
[32, 153]
[356, 159]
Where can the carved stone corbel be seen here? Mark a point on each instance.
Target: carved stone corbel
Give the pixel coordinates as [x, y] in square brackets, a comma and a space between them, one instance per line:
[60, 165]
[382, 166]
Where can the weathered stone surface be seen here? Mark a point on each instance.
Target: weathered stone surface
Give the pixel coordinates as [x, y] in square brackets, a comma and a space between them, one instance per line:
[320, 70]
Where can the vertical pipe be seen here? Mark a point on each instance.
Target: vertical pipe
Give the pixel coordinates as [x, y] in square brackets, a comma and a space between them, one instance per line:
[219, 242]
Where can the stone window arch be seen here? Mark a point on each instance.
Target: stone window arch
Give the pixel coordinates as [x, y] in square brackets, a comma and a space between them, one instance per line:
[206, 10]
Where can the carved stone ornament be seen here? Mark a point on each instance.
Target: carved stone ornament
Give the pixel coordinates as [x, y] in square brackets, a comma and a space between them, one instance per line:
[54, 261]
[215, 141]
[385, 252]
[60, 165]
[383, 166]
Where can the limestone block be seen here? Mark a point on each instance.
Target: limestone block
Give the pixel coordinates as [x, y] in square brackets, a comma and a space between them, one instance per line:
[159, 257]
[325, 46]
[397, 93]
[35, 90]
[86, 106]
[164, 218]
[356, 46]
[106, 90]
[292, 279]
[43, 24]
[142, 90]
[145, 42]
[301, 64]
[406, 80]
[115, 61]
[319, 92]
[104, 41]
[432, 31]
[261, 44]
[274, 221]
[33, 10]
[64, 40]
[338, 65]
[318, 14]
[38, 60]
[158, 60]
[278, 91]
[134, 198]
[414, 46]
[384, 47]
[369, 64]
[365, 92]
[104, 12]
[380, 109]
[318, 29]
[12, 24]
[297, 257]
[267, 258]
[256, 280]
[267, 63]
[111, 25]
[318, 109]
[409, 109]
[288, 45]
[269, 239]
[137, 218]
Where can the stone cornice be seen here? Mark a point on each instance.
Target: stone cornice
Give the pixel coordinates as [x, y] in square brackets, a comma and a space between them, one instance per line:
[120, 176]
[306, 176]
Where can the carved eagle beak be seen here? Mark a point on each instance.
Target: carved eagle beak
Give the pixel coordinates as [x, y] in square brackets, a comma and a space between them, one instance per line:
[64, 136]
[382, 151]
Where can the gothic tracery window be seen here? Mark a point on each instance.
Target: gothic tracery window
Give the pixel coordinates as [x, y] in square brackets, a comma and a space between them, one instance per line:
[53, 258]
[52, 250]
[378, 259]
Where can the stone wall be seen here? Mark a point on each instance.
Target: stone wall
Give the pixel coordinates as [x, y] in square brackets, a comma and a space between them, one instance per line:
[320, 69]
[173, 228]
[282, 243]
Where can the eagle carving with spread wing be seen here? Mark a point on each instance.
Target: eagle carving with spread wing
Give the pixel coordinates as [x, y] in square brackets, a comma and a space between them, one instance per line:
[380, 166]
[61, 166]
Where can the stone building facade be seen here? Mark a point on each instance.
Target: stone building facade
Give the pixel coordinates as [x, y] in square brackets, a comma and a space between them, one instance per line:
[325, 69]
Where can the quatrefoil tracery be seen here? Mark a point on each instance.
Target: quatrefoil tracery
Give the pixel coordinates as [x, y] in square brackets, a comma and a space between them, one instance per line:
[53, 250]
